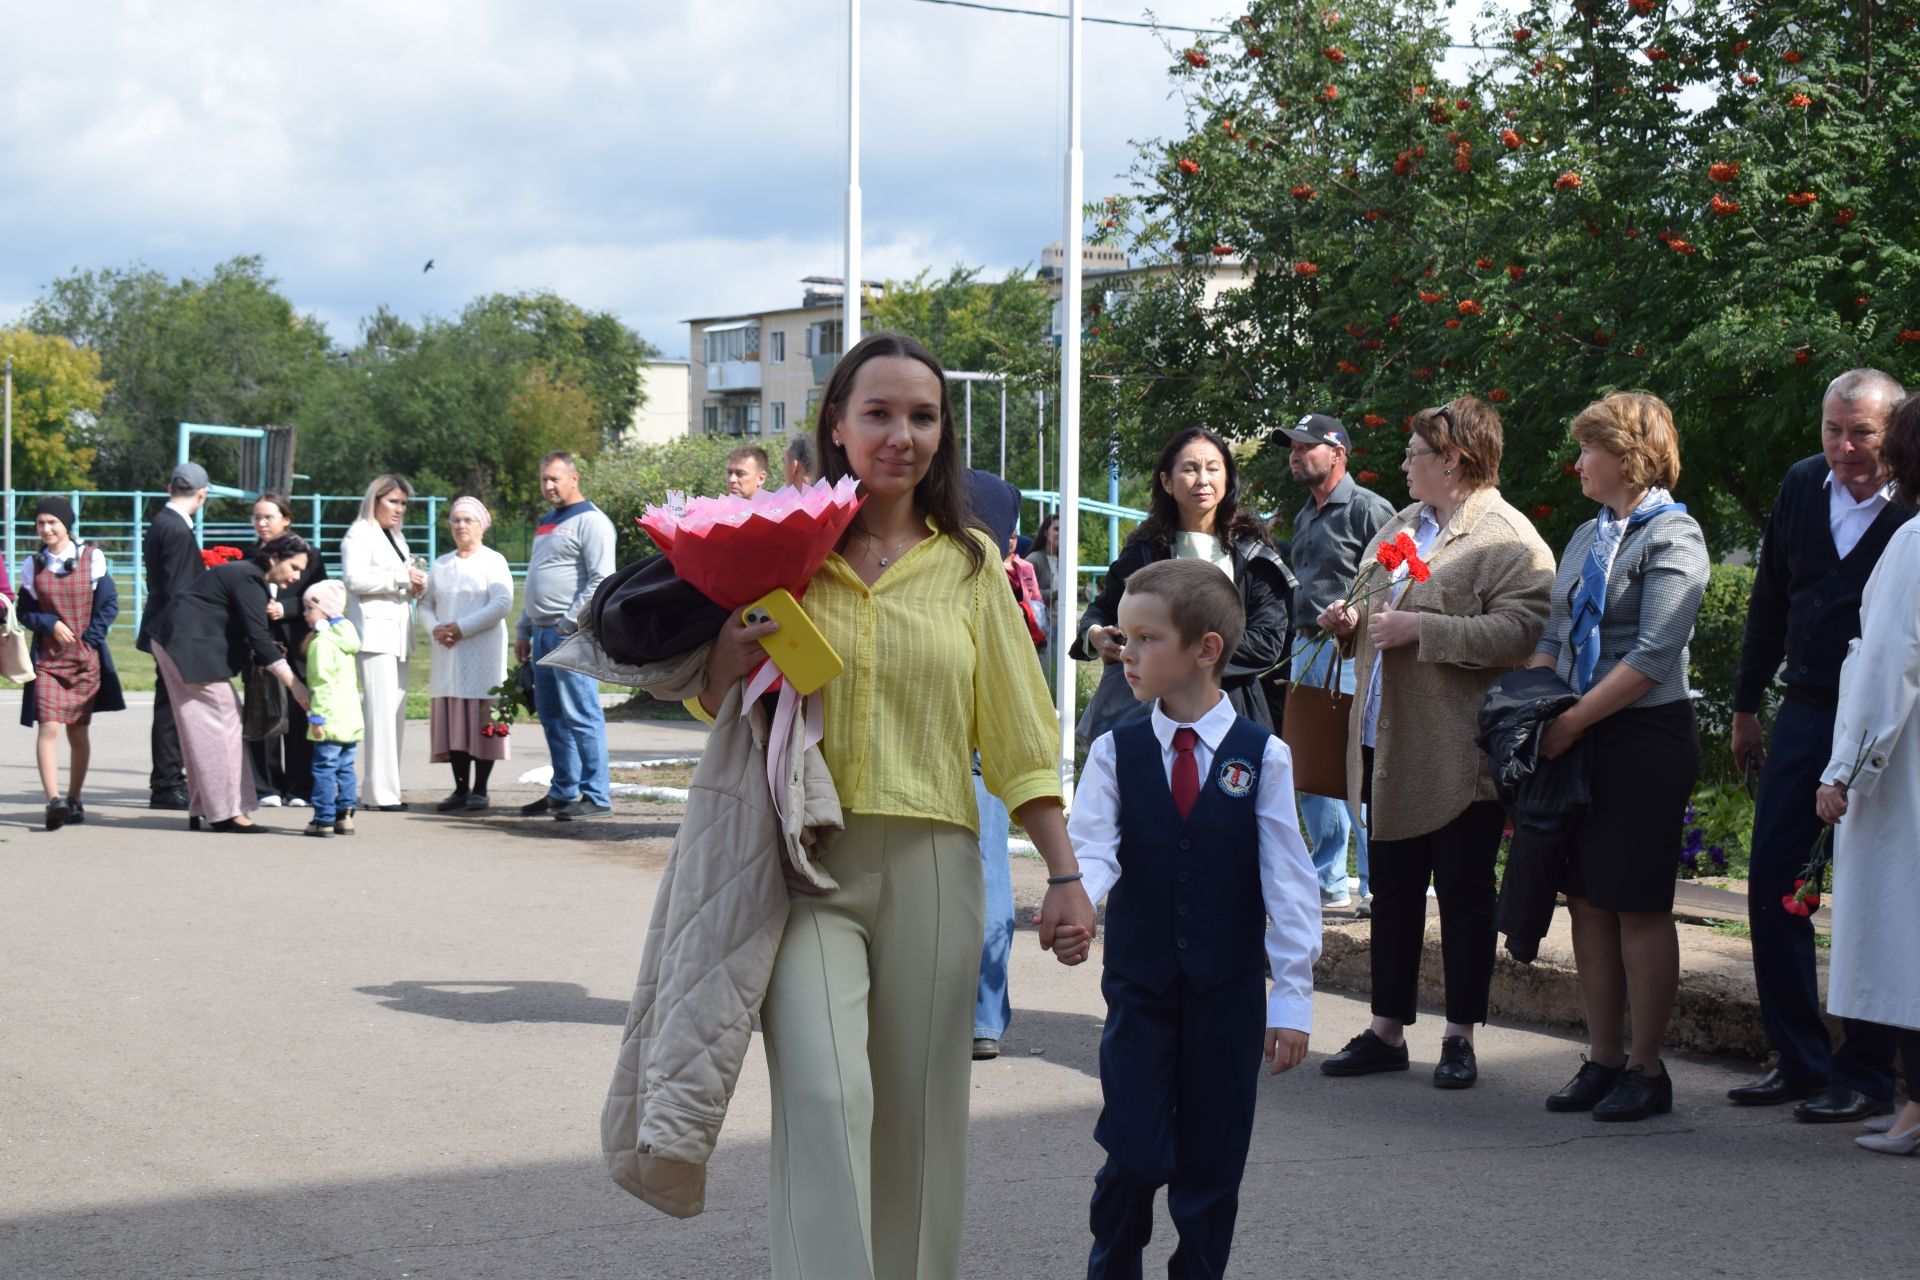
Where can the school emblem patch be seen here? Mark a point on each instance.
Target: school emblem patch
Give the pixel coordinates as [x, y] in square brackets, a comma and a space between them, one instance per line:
[1236, 778]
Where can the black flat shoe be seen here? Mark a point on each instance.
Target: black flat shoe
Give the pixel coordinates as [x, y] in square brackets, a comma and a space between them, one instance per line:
[1772, 1089]
[193, 824]
[1584, 1091]
[76, 812]
[235, 827]
[57, 814]
[174, 798]
[458, 800]
[1635, 1096]
[389, 808]
[477, 802]
[1837, 1104]
[1458, 1068]
[542, 807]
[1365, 1054]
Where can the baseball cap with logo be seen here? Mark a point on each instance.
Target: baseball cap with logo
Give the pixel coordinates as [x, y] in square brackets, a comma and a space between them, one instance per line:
[1318, 428]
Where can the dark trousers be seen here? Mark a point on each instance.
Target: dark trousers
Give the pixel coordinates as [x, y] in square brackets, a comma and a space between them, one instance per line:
[169, 766]
[1784, 827]
[1909, 1041]
[283, 765]
[1459, 860]
[1178, 1073]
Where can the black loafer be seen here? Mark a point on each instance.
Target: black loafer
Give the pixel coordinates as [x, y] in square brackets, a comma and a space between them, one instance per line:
[1635, 1096]
[1365, 1054]
[1584, 1091]
[76, 812]
[542, 807]
[1457, 1068]
[1772, 1089]
[389, 808]
[1837, 1104]
[172, 798]
[57, 814]
[985, 1049]
[458, 800]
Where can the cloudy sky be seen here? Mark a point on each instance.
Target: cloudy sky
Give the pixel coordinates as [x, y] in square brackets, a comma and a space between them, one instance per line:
[660, 159]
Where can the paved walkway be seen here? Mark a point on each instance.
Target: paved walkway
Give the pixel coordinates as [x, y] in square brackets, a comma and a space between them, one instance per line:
[281, 1058]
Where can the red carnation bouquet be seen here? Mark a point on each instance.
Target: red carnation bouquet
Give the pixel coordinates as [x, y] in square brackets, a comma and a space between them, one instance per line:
[1805, 898]
[1401, 551]
[214, 557]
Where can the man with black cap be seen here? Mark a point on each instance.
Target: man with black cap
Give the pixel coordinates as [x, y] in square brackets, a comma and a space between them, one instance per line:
[171, 554]
[1331, 535]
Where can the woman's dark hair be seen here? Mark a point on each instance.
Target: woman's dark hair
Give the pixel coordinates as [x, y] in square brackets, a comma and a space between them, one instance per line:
[280, 501]
[1900, 451]
[1230, 524]
[943, 492]
[1047, 522]
[284, 547]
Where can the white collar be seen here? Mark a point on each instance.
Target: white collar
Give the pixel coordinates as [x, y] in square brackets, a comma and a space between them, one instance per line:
[1886, 493]
[1212, 727]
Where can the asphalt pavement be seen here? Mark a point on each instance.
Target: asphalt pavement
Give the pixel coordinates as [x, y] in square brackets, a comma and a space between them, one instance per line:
[278, 1058]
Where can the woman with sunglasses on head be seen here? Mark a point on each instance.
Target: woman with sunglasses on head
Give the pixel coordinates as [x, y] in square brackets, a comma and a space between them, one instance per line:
[1429, 646]
[67, 600]
[283, 764]
[1194, 515]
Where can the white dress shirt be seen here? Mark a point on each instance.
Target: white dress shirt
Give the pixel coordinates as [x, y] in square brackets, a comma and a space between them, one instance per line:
[1424, 537]
[1850, 520]
[96, 564]
[1288, 883]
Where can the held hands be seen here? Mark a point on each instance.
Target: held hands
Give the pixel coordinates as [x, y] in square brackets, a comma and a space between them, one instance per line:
[1831, 802]
[736, 652]
[1066, 922]
[1286, 1048]
[1391, 628]
[1339, 619]
[1071, 944]
[299, 692]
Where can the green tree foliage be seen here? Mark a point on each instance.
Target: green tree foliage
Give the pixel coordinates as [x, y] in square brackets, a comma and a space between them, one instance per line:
[225, 349]
[57, 394]
[1707, 201]
[625, 480]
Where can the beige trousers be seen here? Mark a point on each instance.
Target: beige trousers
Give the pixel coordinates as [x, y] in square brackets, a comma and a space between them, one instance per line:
[383, 691]
[869, 1035]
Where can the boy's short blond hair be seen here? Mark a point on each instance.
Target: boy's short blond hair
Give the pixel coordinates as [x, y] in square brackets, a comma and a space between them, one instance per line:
[1199, 598]
[329, 595]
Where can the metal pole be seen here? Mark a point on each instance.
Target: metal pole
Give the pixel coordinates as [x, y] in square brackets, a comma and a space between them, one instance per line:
[1003, 428]
[969, 424]
[851, 303]
[139, 560]
[1040, 449]
[1070, 401]
[8, 479]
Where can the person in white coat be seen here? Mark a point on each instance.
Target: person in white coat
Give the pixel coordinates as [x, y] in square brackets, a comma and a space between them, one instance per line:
[469, 594]
[1875, 971]
[382, 583]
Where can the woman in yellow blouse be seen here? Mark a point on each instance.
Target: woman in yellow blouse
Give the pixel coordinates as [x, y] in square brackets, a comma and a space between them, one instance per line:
[869, 1017]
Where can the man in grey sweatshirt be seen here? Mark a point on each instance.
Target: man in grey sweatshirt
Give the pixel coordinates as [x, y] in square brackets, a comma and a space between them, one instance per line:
[572, 552]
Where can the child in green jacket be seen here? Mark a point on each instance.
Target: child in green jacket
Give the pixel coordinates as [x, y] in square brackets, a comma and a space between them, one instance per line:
[334, 719]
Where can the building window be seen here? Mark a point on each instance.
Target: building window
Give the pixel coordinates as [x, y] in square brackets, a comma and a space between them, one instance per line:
[823, 338]
[777, 347]
[740, 343]
[753, 417]
[779, 417]
[711, 414]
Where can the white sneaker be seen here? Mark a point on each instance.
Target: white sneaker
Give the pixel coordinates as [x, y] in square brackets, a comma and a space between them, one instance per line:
[270, 802]
[1340, 899]
[295, 802]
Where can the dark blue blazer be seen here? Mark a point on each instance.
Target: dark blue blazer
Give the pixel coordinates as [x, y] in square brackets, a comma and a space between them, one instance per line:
[1188, 900]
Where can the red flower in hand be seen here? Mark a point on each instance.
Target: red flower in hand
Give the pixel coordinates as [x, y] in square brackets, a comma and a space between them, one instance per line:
[1417, 569]
[1390, 556]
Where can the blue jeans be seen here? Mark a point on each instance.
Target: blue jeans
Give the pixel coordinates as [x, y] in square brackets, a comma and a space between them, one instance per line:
[1325, 821]
[992, 1008]
[335, 789]
[568, 705]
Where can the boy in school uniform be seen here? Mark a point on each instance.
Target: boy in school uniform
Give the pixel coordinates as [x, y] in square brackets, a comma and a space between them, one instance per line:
[334, 716]
[1187, 817]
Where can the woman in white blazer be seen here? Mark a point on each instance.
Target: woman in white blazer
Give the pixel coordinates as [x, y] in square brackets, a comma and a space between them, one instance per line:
[382, 584]
[469, 594]
[1875, 973]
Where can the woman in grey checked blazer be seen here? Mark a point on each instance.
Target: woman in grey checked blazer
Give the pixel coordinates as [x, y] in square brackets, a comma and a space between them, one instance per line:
[1624, 603]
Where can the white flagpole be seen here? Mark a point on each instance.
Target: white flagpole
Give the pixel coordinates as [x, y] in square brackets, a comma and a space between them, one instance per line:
[1069, 565]
[851, 323]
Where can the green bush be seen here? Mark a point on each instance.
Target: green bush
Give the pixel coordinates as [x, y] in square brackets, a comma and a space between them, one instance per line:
[1715, 658]
[625, 480]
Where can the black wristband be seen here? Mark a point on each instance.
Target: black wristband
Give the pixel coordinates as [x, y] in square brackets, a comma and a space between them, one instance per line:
[1066, 879]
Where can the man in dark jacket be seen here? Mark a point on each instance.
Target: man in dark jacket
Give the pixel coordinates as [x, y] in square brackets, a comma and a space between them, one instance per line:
[1833, 517]
[171, 554]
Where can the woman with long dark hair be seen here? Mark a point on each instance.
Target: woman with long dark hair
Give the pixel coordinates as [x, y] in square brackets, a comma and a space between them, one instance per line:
[283, 764]
[1194, 514]
[869, 1014]
[207, 635]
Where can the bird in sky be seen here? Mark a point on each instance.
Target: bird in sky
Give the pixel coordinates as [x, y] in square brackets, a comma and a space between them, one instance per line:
[428, 267]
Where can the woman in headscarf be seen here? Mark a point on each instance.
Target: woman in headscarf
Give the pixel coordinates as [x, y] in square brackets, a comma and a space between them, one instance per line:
[67, 600]
[469, 594]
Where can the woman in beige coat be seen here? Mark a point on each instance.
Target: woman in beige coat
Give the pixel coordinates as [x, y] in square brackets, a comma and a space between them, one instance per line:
[1426, 652]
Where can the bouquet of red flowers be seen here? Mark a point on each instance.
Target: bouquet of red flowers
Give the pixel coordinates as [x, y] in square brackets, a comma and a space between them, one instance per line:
[214, 557]
[1394, 554]
[1805, 898]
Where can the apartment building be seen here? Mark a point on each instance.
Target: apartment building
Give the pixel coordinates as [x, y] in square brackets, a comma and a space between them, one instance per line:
[666, 385]
[761, 374]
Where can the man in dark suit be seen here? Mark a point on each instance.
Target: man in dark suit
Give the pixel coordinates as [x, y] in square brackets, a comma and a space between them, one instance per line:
[172, 557]
[1834, 515]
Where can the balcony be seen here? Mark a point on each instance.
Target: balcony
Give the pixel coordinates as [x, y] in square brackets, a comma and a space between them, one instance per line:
[734, 375]
[823, 366]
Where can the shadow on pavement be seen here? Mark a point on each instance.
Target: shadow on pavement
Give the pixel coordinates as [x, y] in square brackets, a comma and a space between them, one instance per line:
[496, 1002]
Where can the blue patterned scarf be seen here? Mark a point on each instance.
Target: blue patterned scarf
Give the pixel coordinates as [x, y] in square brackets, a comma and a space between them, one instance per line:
[1590, 597]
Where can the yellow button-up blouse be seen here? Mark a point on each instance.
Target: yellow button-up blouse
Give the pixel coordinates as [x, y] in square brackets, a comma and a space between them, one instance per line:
[938, 664]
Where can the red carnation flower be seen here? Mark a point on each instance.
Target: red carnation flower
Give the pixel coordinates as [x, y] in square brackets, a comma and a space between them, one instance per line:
[1417, 569]
[1389, 556]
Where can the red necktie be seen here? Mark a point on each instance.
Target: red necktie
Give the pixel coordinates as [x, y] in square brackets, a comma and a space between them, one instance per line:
[1186, 771]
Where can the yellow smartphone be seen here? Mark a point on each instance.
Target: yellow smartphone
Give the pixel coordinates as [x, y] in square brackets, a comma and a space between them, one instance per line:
[797, 648]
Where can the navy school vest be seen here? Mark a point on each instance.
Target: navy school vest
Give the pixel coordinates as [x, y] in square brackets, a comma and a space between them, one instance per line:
[1188, 900]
